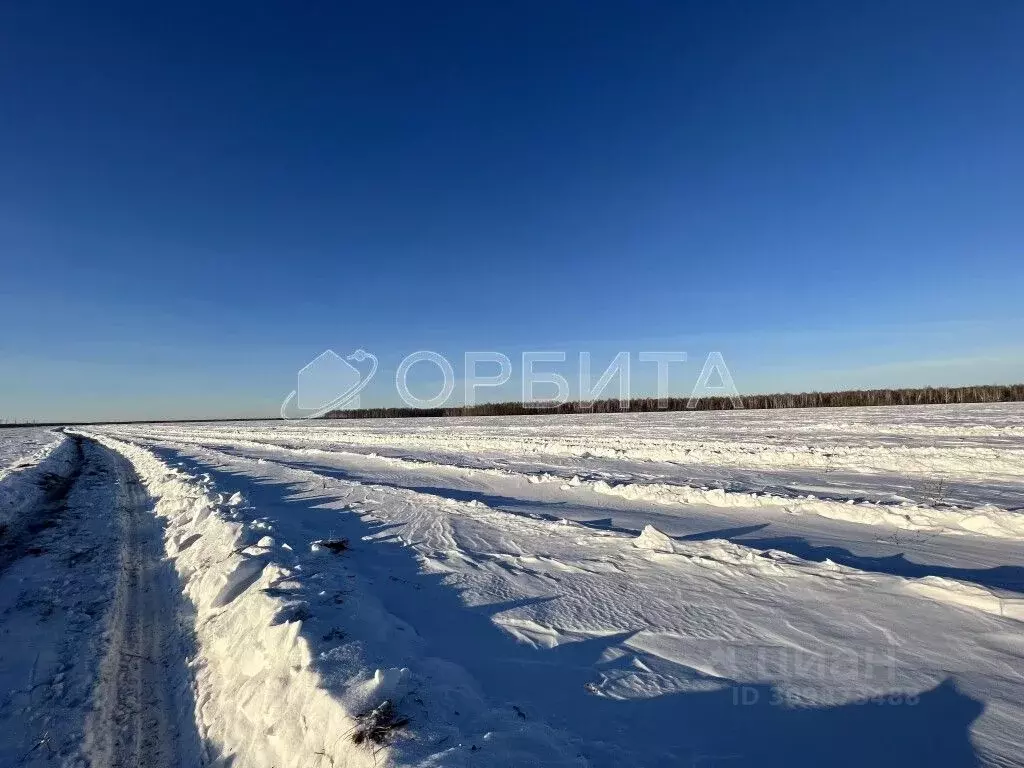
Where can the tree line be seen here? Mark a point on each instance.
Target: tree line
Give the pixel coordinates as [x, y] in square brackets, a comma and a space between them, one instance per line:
[986, 393]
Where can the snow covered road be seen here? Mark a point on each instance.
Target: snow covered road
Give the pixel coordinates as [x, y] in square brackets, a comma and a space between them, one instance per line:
[92, 658]
[842, 587]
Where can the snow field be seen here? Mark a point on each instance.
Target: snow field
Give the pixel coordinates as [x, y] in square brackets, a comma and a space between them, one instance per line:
[511, 638]
[931, 469]
[969, 440]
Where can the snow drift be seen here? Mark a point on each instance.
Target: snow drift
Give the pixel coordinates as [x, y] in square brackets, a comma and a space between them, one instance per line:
[23, 487]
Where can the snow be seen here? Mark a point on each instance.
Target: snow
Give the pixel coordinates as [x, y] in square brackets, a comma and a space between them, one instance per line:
[987, 520]
[51, 606]
[27, 454]
[25, 446]
[809, 587]
[251, 669]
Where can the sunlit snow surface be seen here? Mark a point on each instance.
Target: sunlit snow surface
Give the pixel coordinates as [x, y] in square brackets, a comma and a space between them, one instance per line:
[24, 446]
[799, 587]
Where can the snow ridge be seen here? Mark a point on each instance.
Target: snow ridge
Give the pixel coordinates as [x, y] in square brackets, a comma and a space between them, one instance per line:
[987, 520]
[259, 700]
[23, 488]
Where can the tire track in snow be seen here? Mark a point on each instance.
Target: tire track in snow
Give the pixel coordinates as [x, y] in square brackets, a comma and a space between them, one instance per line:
[143, 714]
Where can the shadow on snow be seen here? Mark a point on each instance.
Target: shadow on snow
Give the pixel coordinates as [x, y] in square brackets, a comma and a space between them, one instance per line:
[731, 726]
[1006, 577]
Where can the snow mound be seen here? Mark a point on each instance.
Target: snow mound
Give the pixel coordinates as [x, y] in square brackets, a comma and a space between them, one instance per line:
[654, 540]
[22, 447]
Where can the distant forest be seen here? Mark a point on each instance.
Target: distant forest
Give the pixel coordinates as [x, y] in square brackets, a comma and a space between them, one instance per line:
[988, 393]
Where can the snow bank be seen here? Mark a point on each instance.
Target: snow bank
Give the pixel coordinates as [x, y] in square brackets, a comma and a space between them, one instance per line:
[23, 446]
[260, 702]
[22, 487]
[987, 520]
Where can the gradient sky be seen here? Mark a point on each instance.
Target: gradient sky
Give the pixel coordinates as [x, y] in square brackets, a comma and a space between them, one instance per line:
[198, 198]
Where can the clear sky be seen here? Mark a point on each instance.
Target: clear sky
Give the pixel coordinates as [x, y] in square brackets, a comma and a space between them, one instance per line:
[198, 198]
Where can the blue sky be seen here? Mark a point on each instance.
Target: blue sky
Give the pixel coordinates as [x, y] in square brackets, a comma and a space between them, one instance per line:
[195, 200]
